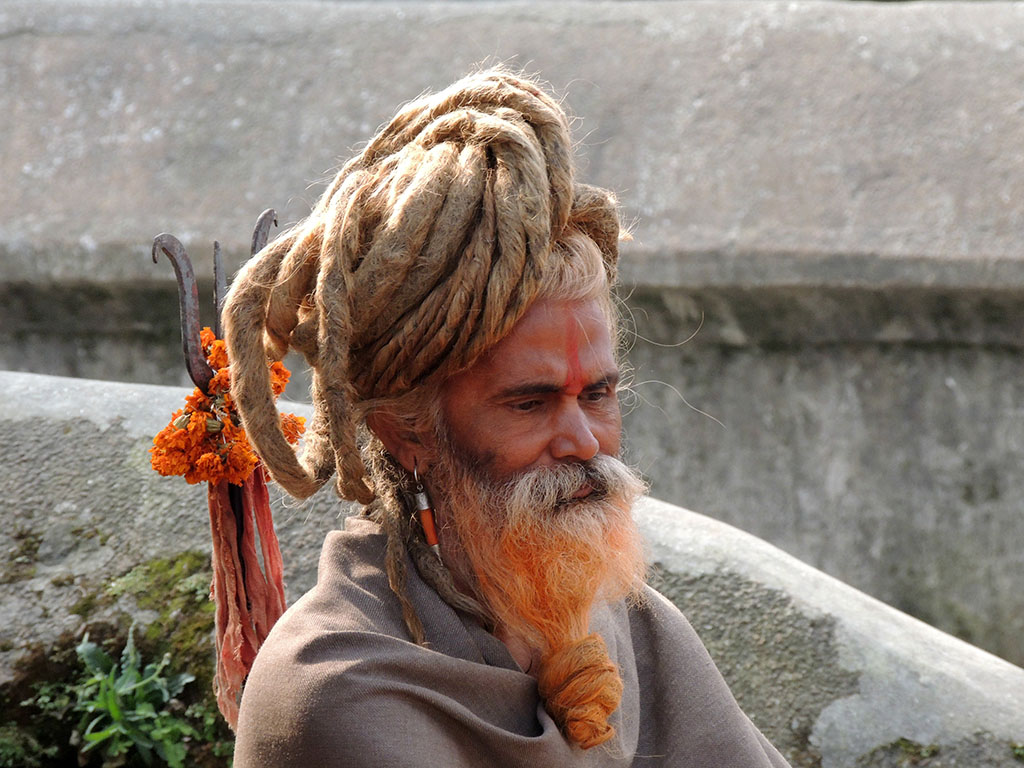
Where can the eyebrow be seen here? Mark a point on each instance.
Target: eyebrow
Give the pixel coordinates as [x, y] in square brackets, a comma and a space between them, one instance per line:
[609, 379]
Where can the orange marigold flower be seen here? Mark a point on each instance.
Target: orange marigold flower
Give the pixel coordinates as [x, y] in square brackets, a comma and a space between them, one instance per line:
[221, 381]
[279, 376]
[293, 426]
[203, 442]
[197, 401]
[241, 456]
[177, 463]
[218, 354]
[233, 433]
[163, 461]
[197, 424]
[209, 465]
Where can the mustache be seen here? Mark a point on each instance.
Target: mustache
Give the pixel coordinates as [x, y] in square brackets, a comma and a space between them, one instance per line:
[554, 487]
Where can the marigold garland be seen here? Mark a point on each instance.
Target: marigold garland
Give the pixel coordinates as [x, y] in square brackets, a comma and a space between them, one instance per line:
[205, 441]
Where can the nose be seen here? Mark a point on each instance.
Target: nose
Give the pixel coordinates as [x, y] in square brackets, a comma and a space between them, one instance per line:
[574, 438]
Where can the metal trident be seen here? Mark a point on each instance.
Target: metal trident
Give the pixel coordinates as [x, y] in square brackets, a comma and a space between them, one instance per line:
[188, 293]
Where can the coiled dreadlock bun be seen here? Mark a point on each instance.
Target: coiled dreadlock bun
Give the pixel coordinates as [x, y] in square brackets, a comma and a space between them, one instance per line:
[425, 251]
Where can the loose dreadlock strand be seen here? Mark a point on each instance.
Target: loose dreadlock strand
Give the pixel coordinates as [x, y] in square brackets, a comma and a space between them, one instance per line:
[396, 528]
[296, 274]
[335, 285]
[245, 329]
[437, 576]
[393, 510]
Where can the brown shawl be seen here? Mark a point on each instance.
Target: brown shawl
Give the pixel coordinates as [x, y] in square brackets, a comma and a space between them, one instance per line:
[338, 684]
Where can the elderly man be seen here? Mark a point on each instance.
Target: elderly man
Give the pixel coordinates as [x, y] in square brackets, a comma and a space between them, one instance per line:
[452, 293]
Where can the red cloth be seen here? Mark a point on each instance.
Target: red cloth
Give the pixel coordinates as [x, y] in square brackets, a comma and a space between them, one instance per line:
[245, 612]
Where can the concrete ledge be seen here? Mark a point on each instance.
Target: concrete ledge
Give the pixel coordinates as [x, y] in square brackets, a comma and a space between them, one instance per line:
[832, 674]
[834, 677]
[753, 143]
[85, 505]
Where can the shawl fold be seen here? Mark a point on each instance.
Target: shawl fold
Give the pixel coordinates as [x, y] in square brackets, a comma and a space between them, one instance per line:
[338, 684]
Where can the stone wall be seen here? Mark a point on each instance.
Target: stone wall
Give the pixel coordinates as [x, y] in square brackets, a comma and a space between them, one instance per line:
[830, 192]
[835, 678]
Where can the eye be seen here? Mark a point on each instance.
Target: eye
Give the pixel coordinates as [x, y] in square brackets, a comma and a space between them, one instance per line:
[525, 406]
[597, 395]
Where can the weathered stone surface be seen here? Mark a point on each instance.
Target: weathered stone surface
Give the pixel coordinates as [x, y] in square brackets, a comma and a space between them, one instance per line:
[834, 677]
[894, 467]
[766, 141]
[83, 505]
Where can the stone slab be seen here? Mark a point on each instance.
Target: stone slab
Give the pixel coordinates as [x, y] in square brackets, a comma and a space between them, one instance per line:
[894, 466]
[839, 678]
[78, 487]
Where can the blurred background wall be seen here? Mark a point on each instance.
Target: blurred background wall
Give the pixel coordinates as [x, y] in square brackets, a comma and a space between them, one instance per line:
[825, 199]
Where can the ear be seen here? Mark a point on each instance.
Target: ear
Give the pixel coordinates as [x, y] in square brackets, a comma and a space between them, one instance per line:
[405, 445]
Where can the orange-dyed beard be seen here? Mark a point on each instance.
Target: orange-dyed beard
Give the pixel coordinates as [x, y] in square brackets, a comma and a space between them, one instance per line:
[540, 560]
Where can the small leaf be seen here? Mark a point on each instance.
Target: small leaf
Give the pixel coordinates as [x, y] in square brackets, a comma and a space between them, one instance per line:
[96, 738]
[126, 681]
[92, 725]
[173, 753]
[94, 658]
[130, 656]
[112, 705]
[176, 683]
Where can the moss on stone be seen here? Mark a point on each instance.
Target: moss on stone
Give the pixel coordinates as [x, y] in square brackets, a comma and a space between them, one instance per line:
[914, 752]
[64, 580]
[20, 749]
[979, 749]
[177, 590]
[85, 605]
[90, 532]
[21, 558]
[902, 753]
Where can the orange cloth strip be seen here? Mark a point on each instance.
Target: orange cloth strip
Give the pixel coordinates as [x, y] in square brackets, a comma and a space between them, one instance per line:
[245, 611]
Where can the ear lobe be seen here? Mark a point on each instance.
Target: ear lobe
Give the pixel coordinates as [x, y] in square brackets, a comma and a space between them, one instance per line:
[400, 441]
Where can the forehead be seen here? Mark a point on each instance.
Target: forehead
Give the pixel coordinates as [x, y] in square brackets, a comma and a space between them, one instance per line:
[551, 343]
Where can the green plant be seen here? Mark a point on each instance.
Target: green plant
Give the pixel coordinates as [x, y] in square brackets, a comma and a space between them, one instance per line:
[53, 699]
[126, 706]
[20, 750]
[211, 729]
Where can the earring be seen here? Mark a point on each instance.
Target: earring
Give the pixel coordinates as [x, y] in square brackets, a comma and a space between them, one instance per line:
[426, 514]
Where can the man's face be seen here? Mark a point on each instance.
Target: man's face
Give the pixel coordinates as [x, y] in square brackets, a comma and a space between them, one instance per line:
[534, 508]
[544, 395]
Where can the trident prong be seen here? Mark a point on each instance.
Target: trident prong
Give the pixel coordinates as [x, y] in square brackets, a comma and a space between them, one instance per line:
[188, 303]
[188, 294]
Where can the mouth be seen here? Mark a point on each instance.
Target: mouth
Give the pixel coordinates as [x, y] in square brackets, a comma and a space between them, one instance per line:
[583, 492]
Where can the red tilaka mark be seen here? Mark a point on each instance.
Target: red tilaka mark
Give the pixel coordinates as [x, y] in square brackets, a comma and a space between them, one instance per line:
[574, 380]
